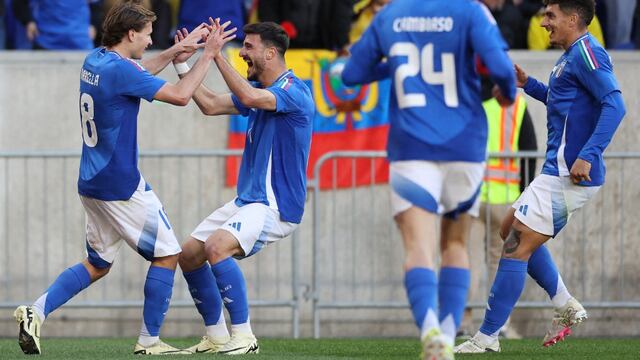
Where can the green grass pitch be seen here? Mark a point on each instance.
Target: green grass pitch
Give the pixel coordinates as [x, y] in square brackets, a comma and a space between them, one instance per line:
[325, 349]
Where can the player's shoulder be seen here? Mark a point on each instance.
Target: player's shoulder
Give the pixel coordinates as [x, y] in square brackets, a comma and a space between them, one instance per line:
[289, 82]
[590, 54]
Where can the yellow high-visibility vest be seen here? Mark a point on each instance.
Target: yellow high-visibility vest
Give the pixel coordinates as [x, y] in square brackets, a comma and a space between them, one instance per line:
[502, 177]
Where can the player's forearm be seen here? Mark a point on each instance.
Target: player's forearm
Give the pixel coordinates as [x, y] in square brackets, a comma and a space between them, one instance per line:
[611, 115]
[238, 85]
[536, 89]
[353, 74]
[157, 63]
[193, 79]
[501, 71]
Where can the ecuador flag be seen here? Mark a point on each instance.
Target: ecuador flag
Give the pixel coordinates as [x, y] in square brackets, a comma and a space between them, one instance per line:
[347, 118]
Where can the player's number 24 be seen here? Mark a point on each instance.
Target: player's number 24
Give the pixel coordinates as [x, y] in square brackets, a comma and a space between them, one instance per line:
[421, 62]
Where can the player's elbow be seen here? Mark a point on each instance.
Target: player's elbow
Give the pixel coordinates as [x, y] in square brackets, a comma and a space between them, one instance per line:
[209, 111]
[249, 100]
[181, 100]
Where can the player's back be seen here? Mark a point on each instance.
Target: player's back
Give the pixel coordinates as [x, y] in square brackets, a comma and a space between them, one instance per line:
[435, 110]
[108, 111]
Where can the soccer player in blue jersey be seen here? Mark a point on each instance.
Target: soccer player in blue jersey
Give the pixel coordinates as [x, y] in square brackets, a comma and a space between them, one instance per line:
[118, 202]
[584, 109]
[437, 142]
[271, 184]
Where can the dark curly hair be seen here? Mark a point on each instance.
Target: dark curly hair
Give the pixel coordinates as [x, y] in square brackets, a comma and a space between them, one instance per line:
[585, 8]
[129, 15]
[271, 34]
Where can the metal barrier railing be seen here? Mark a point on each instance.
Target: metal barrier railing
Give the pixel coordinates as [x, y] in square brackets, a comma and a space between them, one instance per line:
[366, 273]
[42, 230]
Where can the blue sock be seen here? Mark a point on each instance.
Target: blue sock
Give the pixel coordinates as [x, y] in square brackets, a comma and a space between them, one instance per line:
[453, 285]
[233, 289]
[157, 295]
[67, 285]
[421, 285]
[205, 293]
[543, 270]
[507, 288]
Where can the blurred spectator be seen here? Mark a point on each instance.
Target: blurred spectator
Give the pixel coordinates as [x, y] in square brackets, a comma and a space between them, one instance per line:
[620, 16]
[510, 21]
[53, 25]
[635, 36]
[195, 12]
[364, 11]
[529, 8]
[311, 24]
[162, 35]
[3, 28]
[538, 37]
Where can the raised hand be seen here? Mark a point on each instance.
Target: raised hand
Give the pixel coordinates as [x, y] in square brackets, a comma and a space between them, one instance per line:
[218, 37]
[190, 42]
[521, 76]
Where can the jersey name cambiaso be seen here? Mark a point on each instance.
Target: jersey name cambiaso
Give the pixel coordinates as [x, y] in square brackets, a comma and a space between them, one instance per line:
[435, 109]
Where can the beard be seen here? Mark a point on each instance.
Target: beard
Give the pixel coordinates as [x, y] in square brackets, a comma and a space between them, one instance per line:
[258, 69]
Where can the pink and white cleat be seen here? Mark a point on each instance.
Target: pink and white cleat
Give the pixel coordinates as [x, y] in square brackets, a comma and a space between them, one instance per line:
[565, 317]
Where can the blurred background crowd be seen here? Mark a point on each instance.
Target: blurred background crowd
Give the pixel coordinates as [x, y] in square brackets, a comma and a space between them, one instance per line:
[311, 24]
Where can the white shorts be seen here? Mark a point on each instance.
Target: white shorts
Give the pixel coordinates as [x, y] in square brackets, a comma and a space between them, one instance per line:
[140, 221]
[253, 225]
[448, 188]
[548, 202]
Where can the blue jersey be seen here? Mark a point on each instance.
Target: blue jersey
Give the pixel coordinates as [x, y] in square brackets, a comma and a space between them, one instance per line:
[435, 109]
[110, 90]
[63, 24]
[276, 149]
[580, 81]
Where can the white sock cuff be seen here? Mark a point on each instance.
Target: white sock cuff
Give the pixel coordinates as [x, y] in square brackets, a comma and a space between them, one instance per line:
[244, 328]
[562, 294]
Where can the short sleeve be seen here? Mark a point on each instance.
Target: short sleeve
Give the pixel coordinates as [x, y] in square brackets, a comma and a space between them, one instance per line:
[594, 70]
[285, 91]
[137, 82]
[243, 110]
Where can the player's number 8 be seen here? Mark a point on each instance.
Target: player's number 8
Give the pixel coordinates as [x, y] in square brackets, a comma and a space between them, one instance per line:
[422, 62]
[89, 132]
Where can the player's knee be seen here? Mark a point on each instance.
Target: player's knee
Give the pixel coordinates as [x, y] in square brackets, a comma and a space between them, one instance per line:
[95, 272]
[169, 262]
[215, 250]
[192, 255]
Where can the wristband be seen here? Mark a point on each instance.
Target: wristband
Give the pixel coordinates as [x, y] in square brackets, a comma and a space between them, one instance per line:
[182, 68]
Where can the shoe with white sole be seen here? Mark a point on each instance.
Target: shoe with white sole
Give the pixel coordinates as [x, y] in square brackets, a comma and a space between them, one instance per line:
[29, 335]
[564, 318]
[208, 345]
[240, 343]
[436, 346]
[159, 348]
[477, 346]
